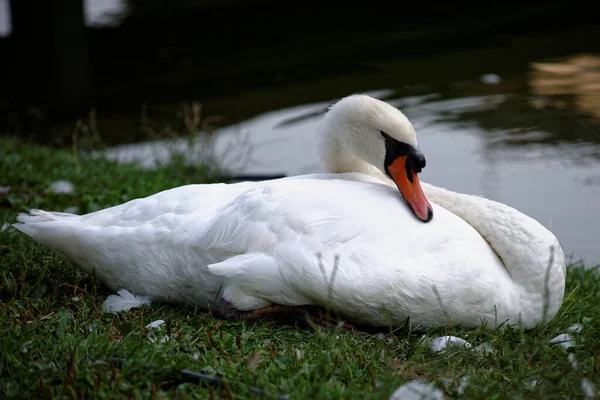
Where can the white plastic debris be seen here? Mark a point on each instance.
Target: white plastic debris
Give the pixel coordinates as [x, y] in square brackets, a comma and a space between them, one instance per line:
[62, 187]
[123, 301]
[588, 388]
[573, 360]
[155, 324]
[491, 79]
[162, 339]
[464, 382]
[485, 347]
[563, 340]
[575, 328]
[441, 343]
[417, 390]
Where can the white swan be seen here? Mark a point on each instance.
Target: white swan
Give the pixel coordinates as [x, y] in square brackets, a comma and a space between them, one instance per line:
[254, 244]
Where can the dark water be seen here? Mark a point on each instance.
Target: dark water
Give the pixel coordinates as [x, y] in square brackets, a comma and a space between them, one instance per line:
[515, 118]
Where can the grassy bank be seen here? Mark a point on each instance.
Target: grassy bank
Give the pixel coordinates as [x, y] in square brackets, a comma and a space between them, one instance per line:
[56, 342]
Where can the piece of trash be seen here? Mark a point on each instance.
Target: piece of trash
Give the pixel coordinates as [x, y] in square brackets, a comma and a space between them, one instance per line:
[485, 347]
[441, 343]
[155, 324]
[564, 340]
[575, 328]
[123, 301]
[62, 187]
[464, 382]
[162, 339]
[491, 79]
[588, 388]
[75, 299]
[573, 360]
[417, 390]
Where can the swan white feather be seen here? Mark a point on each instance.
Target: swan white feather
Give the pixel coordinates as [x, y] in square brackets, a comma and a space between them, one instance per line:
[256, 243]
[123, 301]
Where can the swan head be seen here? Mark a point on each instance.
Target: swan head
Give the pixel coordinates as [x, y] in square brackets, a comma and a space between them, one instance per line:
[360, 127]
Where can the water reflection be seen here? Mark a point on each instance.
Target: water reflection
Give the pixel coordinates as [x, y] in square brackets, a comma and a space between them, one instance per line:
[569, 84]
[559, 102]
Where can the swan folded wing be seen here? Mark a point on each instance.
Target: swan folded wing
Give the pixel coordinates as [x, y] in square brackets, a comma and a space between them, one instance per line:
[252, 280]
[250, 232]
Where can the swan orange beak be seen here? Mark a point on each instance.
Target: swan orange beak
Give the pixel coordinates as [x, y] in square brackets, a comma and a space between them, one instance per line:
[408, 183]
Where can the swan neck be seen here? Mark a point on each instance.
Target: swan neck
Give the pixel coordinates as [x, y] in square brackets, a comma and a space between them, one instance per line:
[530, 253]
[338, 156]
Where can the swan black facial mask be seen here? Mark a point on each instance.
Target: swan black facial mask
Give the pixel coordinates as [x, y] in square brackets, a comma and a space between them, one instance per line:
[402, 164]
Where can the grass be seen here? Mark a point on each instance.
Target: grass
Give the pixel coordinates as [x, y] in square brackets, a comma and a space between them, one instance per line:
[56, 342]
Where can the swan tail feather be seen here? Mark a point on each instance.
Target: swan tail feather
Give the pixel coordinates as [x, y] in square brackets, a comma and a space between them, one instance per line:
[253, 281]
[60, 232]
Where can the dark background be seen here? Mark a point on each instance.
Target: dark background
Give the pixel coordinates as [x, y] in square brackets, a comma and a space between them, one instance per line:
[54, 69]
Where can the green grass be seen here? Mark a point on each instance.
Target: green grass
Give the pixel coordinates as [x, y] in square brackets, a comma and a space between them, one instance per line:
[56, 342]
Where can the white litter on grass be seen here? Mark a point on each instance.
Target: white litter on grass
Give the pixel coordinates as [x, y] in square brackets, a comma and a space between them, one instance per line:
[123, 301]
[464, 382]
[564, 340]
[573, 360]
[588, 388]
[485, 347]
[417, 390]
[62, 187]
[155, 324]
[575, 328]
[443, 342]
[75, 299]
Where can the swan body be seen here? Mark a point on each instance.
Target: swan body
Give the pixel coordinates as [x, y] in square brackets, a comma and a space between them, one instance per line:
[345, 239]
